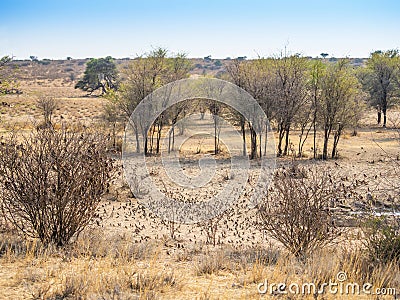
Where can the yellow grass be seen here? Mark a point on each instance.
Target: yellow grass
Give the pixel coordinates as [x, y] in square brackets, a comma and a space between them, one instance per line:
[115, 268]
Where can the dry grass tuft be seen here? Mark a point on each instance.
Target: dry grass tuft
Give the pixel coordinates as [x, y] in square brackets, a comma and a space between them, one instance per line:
[210, 263]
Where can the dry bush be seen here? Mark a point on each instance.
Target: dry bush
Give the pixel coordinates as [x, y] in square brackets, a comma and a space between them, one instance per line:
[52, 182]
[211, 227]
[296, 209]
[47, 106]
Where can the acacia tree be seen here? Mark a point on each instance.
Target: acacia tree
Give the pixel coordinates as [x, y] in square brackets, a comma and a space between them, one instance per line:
[338, 103]
[142, 76]
[100, 73]
[8, 81]
[304, 122]
[255, 77]
[215, 107]
[317, 71]
[177, 67]
[290, 92]
[380, 80]
[235, 70]
[3, 82]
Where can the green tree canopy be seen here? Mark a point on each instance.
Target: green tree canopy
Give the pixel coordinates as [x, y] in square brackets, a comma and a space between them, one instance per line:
[3, 83]
[141, 77]
[339, 103]
[380, 80]
[100, 73]
[8, 78]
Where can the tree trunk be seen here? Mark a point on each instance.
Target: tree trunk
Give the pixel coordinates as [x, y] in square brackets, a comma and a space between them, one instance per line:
[158, 137]
[114, 133]
[301, 141]
[103, 89]
[315, 135]
[153, 131]
[384, 108]
[215, 136]
[327, 132]
[137, 138]
[253, 134]
[336, 138]
[173, 138]
[146, 150]
[266, 139]
[287, 130]
[379, 116]
[243, 129]
[169, 140]
[281, 135]
[384, 117]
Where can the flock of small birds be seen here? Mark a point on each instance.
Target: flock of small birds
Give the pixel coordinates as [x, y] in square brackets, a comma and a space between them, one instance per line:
[120, 212]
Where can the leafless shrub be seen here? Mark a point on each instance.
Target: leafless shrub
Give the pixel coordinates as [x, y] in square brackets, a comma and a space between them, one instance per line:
[52, 182]
[47, 106]
[172, 225]
[296, 209]
[211, 226]
[171, 222]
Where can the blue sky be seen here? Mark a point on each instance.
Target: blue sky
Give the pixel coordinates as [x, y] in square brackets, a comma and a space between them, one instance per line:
[220, 28]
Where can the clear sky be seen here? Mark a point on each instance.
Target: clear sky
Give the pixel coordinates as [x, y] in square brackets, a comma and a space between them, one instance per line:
[220, 28]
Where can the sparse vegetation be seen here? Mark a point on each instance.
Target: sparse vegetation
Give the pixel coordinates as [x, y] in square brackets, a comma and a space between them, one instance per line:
[296, 209]
[52, 182]
[76, 234]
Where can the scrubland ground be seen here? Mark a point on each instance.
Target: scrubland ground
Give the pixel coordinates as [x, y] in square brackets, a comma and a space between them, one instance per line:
[128, 253]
